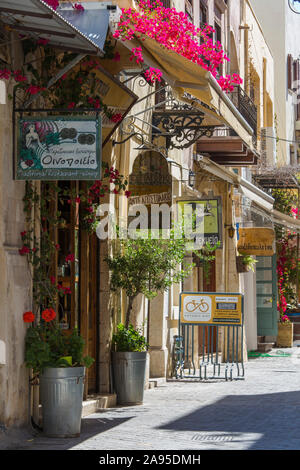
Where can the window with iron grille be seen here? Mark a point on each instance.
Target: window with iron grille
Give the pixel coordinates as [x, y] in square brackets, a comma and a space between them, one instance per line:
[160, 95]
[290, 71]
[189, 10]
[166, 3]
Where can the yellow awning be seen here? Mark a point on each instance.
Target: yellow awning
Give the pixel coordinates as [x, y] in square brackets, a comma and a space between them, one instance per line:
[195, 86]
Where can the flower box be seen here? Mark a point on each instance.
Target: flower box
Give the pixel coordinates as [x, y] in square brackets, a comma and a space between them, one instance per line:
[285, 335]
[241, 267]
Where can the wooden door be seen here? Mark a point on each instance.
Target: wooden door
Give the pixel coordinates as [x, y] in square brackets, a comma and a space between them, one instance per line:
[266, 296]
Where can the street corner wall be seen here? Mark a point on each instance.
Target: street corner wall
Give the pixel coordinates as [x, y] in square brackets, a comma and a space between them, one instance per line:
[15, 286]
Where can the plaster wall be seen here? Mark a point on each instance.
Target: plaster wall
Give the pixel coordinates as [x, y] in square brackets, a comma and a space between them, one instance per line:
[15, 286]
[259, 53]
[284, 42]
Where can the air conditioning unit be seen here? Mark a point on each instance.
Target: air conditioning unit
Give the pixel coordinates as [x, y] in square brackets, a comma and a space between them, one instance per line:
[268, 146]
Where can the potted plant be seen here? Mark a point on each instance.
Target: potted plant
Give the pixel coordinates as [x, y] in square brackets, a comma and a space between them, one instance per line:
[58, 364]
[245, 263]
[140, 266]
[285, 332]
[129, 364]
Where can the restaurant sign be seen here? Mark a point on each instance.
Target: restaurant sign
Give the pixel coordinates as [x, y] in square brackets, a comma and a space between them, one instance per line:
[59, 148]
[259, 241]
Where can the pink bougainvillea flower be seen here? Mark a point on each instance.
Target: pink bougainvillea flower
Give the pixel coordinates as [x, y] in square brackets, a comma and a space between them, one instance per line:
[23, 234]
[127, 193]
[137, 54]
[78, 7]
[5, 74]
[19, 77]
[70, 257]
[52, 279]
[173, 31]
[24, 250]
[117, 57]
[71, 105]
[67, 290]
[52, 3]
[78, 200]
[116, 117]
[152, 75]
[34, 89]
[42, 41]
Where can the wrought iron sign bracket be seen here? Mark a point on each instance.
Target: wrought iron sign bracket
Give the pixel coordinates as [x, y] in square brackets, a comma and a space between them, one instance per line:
[114, 142]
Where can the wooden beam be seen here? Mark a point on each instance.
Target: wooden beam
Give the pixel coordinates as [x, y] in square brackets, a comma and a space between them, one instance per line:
[26, 13]
[36, 29]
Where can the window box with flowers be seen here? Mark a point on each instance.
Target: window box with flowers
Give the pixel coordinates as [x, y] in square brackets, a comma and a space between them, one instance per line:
[58, 364]
[285, 332]
[245, 263]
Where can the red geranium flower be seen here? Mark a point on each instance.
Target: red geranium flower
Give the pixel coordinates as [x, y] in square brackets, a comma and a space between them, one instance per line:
[48, 314]
[28, 317]
[24, 250]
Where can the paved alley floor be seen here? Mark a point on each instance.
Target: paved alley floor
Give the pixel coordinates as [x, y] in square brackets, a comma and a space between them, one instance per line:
[260, 412]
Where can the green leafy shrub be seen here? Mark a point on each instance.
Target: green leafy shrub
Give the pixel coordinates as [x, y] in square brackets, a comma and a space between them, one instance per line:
[129, 339]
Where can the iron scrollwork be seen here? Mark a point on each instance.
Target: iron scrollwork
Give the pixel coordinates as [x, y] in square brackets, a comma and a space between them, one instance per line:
[180, 124]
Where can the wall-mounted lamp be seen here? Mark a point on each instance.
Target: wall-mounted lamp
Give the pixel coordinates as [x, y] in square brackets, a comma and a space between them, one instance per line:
[192, 178]
[231, 230]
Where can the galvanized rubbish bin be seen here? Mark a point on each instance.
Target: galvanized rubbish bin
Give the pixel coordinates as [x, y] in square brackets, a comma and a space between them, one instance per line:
[61, 391]
[129, 374]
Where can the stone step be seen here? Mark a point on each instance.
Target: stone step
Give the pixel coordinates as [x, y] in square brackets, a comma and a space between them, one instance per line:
[265, 347]
[98, 402]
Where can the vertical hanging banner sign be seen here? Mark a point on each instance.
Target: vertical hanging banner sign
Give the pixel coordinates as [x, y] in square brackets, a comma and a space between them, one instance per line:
[59, 148]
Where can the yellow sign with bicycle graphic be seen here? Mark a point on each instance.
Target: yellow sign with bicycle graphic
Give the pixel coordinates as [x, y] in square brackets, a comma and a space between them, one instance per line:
[211, 308]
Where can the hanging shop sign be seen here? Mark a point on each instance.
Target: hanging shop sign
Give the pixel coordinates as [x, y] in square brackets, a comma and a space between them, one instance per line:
[206, 308]
[207, 220]
[59, 148]
[259, 241]
[158, 198]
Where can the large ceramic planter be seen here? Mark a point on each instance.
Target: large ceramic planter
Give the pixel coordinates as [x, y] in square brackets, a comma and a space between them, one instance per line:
[129, 375]
[285, 335]
[61, 391]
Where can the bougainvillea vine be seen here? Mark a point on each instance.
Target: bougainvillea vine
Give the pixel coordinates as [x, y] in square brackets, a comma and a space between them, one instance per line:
[173, 30]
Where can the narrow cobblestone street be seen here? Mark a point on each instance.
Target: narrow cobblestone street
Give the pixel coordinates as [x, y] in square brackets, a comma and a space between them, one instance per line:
[260, 412]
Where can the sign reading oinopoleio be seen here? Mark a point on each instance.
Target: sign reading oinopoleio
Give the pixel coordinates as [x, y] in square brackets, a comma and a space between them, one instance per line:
[59, 148]
[259, 241]
[206, 308]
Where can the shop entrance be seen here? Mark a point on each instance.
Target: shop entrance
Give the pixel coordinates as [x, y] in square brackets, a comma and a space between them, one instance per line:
[76, 272]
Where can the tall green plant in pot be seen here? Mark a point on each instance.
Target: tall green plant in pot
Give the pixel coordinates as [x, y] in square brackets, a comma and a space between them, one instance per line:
[140, 266]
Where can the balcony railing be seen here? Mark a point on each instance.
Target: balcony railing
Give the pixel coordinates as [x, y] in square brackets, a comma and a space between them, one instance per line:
[245, 106]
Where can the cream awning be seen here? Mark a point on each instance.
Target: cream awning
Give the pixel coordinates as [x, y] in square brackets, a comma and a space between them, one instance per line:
[195, 86]
[286, 221]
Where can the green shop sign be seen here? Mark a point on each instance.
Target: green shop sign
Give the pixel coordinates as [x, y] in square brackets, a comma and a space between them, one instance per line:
[59, 148]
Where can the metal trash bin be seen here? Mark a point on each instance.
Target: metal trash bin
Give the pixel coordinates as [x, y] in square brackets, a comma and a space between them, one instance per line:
[129, 374]
[61, 391]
